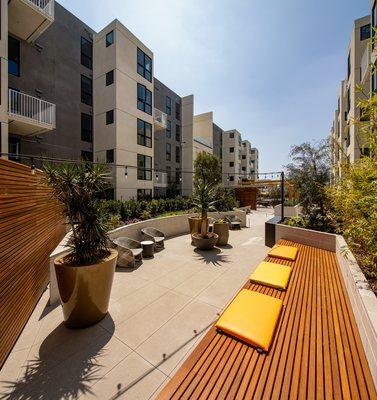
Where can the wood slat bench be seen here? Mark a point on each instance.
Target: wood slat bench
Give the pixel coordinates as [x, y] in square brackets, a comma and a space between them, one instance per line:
[316, 351]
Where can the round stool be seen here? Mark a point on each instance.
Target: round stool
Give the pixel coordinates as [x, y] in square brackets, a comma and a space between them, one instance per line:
[148, 248]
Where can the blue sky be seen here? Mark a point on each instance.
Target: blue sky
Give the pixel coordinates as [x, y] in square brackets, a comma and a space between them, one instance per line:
[270, 69]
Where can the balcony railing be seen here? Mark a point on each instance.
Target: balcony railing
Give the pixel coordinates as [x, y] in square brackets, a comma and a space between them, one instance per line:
[31, 110]
[47, 6]
[160, 119]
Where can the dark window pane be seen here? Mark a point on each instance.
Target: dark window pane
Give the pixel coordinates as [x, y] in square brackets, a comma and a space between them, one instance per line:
[87, 128]
[13, 56]
[109, 38]
[110, 156]
[177, 133]
[365, 32]
[144, 164]
[177, 111]
[144, 99]
[109, 117]
[86, 156]
[168, 129]
[86, 90]
[109, 78]
[168, 105]
[144, 65]
[86, 53]
[168, 152]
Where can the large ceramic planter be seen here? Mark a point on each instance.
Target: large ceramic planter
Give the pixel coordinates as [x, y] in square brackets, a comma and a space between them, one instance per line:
[222, 230]
[207, 243]
[195, 224]
[85, 290]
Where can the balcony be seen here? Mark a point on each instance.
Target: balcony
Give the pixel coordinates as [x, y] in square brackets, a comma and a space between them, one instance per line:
[28, 19]
[160, 119]
[160, 179]
[29, 115]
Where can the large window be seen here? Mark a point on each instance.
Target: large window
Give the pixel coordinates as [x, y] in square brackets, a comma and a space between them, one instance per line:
[168, 105]
[144, 99]
[168, 152]
[178, 133]
[86, 90]
[168, 129]
[109, 78]
[177, 111]
[13, 56]
[86, 53]
[177, 154]
[144, 65]
[86, 128]
[144, 194]
[144, 167]
[365, 32]
[109, 38]
[144, 133]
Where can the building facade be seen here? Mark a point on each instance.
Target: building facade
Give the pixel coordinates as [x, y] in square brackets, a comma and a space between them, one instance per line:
[231, 157]
[347, 143]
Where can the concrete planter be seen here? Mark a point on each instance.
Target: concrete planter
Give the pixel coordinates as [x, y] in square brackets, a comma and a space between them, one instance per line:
[222, 230]
[85, 290]
[202, 243]
[289, 211]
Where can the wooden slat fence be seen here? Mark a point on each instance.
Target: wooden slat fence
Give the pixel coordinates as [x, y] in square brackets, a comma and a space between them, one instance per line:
[31, 226]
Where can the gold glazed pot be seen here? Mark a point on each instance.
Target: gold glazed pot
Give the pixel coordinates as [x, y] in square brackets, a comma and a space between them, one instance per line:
[195, 224]
[222, 230]
[85, 290]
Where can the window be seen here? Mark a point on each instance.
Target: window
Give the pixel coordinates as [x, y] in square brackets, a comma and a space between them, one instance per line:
[177, 154]
[374, 15]
[168, 129]
[168, 152]
[168, 105]
[144, 65]
[109, 117]
[243, 168]
[231, 164]
[144, 167]
[177, 133]
[109, 38]
[86, 90]
[13, 56]
[231, 178]
[231, 135]
[231, 149]
[168, 173]
[86, 156]
[86, 53]
[86, 128]
[244, 157]
[177, 111]
[365, 32]
[144, 99]
[110, 156]
[109, 78]
[144, 133]
[144, 194]
[14, 146]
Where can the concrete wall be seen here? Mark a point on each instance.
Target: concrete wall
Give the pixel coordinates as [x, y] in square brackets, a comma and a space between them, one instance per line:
[51, 69]
[161, 91]
[289, 211]
[234, 157]
[187, 144]
[121, 96]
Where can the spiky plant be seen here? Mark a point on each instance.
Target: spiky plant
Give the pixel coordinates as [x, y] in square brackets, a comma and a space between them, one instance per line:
[77, 187]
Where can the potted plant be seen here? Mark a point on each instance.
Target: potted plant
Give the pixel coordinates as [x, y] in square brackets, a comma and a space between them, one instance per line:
[207, 177]
[85, 273]
[221, 228]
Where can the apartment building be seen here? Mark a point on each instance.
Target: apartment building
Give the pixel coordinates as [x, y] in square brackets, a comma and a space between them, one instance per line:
[348, 144]
[46, 55]
[167, 141]
[254, 156]
[232, 157]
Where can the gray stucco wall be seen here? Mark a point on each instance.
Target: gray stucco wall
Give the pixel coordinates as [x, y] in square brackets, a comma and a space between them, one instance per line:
[51, 69]
[160, 139]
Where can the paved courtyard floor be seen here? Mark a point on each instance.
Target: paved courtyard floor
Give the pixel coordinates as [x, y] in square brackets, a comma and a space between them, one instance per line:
[158, 313]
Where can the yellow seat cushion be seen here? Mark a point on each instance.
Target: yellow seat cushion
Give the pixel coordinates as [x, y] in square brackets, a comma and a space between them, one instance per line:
[271, 274]
[251, 317]
[285, 252]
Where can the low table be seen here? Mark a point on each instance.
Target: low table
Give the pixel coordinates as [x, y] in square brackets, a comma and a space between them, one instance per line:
[148, 248]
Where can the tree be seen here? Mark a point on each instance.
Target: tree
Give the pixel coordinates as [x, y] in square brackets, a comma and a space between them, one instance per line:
[207, 178]
[309, 172]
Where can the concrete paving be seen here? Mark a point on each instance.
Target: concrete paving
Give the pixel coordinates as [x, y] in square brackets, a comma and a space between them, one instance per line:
[158, 313]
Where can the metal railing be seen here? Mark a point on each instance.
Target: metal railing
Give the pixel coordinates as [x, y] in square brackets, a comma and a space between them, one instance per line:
[47, 6]
[160, 118]
[31, 108]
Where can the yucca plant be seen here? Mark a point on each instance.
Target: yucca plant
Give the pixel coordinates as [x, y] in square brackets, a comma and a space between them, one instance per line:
[77, 187]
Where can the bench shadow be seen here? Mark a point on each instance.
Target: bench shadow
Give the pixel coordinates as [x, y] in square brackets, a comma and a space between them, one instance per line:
[67, 365]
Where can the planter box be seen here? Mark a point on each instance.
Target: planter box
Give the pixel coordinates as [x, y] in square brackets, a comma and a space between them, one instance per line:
[289, 211]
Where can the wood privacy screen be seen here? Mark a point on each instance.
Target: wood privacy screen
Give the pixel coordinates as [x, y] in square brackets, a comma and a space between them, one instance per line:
[31, 226]
[247, 196]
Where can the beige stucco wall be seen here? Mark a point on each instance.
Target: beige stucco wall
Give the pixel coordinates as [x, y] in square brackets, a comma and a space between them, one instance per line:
[203, 128]
[187, 143]
[234, 157]
[121, 97]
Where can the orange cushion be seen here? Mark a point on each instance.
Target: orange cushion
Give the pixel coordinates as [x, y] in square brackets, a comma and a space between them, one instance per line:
[271, 274]
[251, 317]
[285, 252]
